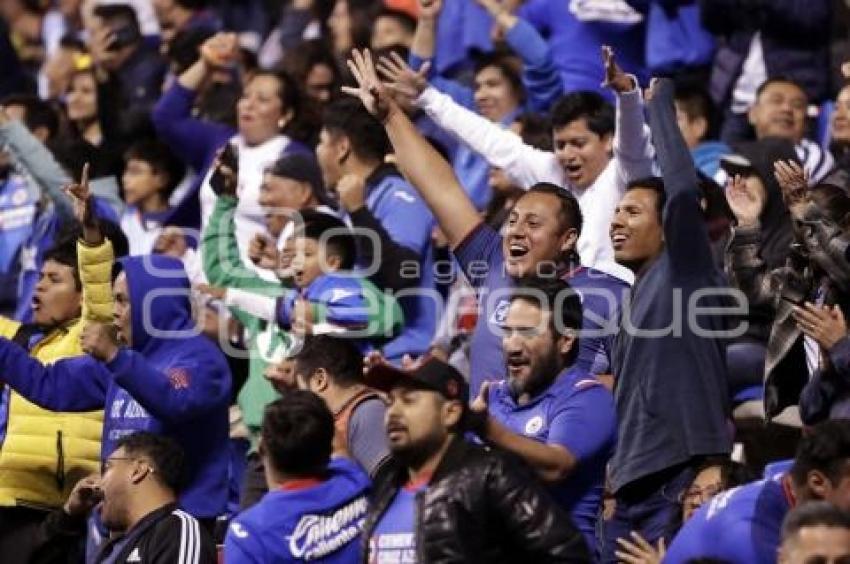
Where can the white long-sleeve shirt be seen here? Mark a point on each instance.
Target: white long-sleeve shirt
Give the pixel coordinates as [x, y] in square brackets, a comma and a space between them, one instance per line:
[526, 166]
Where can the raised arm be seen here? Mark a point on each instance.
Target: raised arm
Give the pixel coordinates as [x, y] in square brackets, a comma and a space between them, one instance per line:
[633, 150]
[502, 148]
[540, 75]
[73, 384]
[188, 389]
[421, 164]
[94, 254]
[37, 160]
[194, 140]
[222, 260]
[685, 233]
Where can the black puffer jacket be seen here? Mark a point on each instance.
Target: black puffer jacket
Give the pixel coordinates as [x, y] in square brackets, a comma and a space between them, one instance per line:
[480, 506]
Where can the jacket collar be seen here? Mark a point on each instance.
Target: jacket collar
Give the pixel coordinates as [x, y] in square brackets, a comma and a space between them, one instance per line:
[128, 539]
[383, 171]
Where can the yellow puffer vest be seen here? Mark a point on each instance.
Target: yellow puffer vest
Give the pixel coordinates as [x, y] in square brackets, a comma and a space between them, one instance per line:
[45, 453]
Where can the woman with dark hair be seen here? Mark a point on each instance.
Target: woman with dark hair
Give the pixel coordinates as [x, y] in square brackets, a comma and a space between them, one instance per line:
[714, 476]
[314, 67]
[350, 25]
[93, 119]
[268, 117]
[754, 164]
[810, 290]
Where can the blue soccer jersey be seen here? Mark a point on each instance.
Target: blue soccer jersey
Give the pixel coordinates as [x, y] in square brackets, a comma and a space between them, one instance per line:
[742, 525]
[318, 523]
[575, 412]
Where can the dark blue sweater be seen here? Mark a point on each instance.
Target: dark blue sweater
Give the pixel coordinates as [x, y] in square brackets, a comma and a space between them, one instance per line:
[671, 391]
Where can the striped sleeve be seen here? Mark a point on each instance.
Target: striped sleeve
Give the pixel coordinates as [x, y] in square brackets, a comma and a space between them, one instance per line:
[818, 162]
[180, 540]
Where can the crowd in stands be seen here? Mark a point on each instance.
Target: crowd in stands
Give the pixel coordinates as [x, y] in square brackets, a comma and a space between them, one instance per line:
[414, 281]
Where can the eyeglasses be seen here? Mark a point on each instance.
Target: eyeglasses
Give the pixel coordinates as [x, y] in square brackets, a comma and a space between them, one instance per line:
[698, 495]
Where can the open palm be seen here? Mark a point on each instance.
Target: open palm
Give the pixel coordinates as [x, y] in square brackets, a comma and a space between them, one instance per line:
[745, 203]
[369, 89]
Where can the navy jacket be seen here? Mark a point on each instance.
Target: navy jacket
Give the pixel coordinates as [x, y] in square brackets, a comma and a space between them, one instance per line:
[795, 38]
[671, 385]
[171, 381]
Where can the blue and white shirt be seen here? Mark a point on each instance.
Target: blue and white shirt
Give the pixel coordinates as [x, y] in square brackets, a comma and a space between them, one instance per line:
[321, 523]
[740, 526]
[480, 256]
[575, 412]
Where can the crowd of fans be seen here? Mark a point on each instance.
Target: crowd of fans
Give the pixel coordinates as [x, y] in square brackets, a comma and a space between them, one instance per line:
[424, 281]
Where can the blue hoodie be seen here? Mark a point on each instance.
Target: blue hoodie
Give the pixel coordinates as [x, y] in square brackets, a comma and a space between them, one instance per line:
[318, 523]
[176, 383]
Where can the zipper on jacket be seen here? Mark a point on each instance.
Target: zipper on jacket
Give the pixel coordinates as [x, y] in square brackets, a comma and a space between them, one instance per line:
[60, 461]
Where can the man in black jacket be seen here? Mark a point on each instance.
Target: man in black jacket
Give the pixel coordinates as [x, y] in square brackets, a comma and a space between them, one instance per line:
[138, 491]
[445, 500]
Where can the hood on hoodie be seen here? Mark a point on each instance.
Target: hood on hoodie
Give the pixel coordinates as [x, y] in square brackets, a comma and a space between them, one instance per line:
[159, 299]
[776, 226]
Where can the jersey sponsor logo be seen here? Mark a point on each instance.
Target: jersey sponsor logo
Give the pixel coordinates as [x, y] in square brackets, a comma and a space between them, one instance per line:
[533, 425]
[316, 536]
[135, 556]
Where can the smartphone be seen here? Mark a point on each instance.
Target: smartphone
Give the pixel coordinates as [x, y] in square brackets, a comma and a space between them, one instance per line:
[124, 36]
[229, 158]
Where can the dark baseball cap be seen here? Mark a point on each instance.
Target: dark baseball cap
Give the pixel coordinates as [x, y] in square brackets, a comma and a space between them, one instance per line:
[303, 168]
[737, 164]
[434, 375]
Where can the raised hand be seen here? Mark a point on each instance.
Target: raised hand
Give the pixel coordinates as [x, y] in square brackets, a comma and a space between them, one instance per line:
[171, 242]
[430, 9]
[369, 89]
[794, 182]
[263, 252]
[745, 203]
[83, 203]
[824, 324]
[221, 50]
[403, 79]
[615, 78]
[100, 341]
[639, 551]
[225, 180]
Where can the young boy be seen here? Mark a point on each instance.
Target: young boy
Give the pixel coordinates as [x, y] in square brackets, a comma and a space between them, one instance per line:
[151, 173]
[326, 297]
[253, 301]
